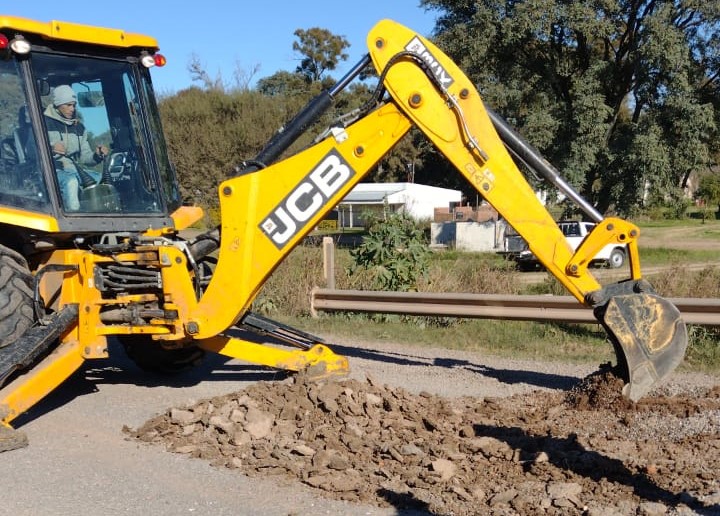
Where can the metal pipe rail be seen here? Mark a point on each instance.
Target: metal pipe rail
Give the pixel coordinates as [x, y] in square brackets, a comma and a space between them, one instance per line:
[698, 311]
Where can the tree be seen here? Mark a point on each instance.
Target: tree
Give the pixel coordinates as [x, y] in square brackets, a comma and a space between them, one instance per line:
[709, 190]
[621, 95]
[198, 73]
[283, 83]
[209, 132]
[320, 51]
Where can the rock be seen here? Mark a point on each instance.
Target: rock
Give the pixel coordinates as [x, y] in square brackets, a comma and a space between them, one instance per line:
[490, 447]
[303, 449]
[328, 395]
[454, 456]
[563, 489]
[503, 497]
[11, 439]
[478, 492]
[372, 399]
[187, 449]
[183, 417]
[237, 416]
[354, 429]
[411, 449]
[241, 438]
[462, 493]
[336, 482]
[467, 431]
[445, 468]
[541, 457]
[330, 459]
[652, 509]
[222, 423]
[258, 423]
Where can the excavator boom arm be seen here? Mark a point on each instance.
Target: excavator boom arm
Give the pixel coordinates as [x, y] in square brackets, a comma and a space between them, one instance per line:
[267, 211]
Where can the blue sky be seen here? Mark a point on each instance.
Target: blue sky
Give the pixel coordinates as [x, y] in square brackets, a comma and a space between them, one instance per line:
[231, 35]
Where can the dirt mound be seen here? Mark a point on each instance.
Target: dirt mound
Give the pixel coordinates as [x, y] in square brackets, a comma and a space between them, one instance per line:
[601, 390]
[540, 453]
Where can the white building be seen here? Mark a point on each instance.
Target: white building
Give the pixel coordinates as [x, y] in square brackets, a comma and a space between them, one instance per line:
[419, 201]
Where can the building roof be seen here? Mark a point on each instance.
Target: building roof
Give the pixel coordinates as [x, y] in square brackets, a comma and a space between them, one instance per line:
[378, 193]
[369, 196]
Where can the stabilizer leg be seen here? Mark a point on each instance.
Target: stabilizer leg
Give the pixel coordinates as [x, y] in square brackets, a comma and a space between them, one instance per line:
[317, 362]
[27, 389]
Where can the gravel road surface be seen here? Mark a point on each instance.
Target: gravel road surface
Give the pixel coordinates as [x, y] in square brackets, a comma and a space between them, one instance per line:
[80, 461]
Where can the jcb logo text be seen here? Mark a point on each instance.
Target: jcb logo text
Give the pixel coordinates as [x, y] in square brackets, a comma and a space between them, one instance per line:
[306, 199]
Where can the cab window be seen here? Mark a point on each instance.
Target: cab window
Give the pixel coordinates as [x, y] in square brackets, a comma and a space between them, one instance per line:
[21, 182]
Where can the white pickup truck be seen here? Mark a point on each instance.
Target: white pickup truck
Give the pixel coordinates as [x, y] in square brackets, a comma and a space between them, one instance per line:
[515, 248]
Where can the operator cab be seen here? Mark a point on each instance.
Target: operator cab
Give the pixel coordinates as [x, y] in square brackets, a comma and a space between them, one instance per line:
[134, 186]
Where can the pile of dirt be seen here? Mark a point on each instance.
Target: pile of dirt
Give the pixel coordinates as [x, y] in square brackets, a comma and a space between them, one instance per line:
[538, 453]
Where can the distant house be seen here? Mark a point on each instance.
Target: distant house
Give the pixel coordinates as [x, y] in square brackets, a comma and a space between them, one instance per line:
[418, 201]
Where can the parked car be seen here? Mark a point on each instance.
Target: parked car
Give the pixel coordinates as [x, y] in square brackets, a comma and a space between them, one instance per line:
[515, 248]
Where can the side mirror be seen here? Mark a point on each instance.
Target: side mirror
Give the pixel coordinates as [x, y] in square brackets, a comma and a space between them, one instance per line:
[88, 99]
[43, 87]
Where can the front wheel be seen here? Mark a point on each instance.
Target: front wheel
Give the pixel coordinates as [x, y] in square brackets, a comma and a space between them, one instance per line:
[16, 296]
[616, 259]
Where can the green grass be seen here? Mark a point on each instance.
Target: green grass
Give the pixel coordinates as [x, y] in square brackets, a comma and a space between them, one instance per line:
[513, 339]
[657, 256]
[565, 343]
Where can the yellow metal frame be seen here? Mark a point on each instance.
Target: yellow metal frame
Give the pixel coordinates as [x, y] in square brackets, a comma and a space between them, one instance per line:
[28, 219]
[26, 390]
[78, 33]
[318, 361]
[247, 256]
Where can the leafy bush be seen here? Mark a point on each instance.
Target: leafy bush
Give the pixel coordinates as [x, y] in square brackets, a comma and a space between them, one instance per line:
[395, 253]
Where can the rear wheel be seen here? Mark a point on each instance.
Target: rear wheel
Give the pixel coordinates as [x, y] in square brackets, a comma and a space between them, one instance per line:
[616, 259]
[16, 296]
[149, 355]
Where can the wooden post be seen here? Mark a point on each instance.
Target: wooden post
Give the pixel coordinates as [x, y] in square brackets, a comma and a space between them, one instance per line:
[329, 262]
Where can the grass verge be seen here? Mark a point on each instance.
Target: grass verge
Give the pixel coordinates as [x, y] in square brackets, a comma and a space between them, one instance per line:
[566, 343]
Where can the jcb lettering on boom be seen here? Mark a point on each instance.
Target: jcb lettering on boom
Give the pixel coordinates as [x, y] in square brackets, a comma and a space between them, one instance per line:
[313, 192]
[417, 47]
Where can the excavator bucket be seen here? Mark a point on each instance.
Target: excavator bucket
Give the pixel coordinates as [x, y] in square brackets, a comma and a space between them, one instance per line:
[649, 336]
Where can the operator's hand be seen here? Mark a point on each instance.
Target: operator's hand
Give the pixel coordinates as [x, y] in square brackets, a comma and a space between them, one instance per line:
[59, 148]
[101, 151]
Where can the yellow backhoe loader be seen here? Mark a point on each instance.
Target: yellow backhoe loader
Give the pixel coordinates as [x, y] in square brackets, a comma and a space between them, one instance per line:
[90, 245]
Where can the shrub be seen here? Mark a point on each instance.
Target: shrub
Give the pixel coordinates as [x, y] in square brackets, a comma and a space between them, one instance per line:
[395, 253]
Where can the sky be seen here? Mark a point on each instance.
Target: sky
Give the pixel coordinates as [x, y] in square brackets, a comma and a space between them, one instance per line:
[227, 36]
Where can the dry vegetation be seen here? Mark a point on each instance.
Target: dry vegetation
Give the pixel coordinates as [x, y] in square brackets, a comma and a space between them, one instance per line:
[286, 296]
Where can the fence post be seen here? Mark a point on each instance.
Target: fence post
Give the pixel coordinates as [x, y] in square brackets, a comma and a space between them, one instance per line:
[329, 262]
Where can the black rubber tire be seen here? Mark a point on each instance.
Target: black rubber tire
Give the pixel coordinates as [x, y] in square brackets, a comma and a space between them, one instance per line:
[150, 356]
[16, 296]
[616, 259]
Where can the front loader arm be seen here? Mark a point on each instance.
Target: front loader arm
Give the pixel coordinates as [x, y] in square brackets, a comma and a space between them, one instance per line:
[267, 212]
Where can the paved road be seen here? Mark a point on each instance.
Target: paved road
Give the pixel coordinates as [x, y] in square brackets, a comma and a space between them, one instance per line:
[80, 463]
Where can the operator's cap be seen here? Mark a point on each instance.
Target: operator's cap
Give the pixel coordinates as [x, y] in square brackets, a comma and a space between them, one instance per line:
[63, 94]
